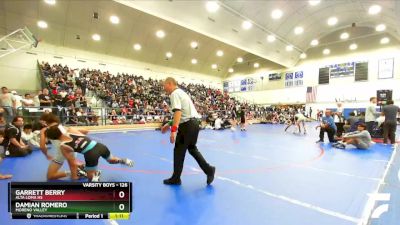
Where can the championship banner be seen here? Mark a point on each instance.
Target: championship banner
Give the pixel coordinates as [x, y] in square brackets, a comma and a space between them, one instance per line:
[298, 78]
[289, 79]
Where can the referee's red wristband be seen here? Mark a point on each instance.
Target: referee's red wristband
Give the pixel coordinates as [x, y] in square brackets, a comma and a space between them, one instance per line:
[174, 128]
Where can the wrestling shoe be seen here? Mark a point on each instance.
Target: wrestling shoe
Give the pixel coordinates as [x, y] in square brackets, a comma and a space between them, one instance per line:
[81, 173]
[128, 162]
[340, 145]
[96, 177]
[319, 141]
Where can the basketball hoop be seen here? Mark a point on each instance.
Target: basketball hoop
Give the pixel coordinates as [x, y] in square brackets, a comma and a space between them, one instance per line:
[19, 39]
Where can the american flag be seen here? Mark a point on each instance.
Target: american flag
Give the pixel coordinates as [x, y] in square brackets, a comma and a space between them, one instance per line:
[311, 95]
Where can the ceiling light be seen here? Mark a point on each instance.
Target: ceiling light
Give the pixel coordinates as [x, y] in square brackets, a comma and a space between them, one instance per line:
[194, 44]
[289, 48]
[42, 24]
[168, 55]
[326, 51]
[114, 19]
[246, 25]
[239, 60]
[271, 38]
[374, 9]
[256, 65]
[314, 2]
[303, 55]
[380, 27]
[385, 40]
[276, 14]
[314, 42]
[50, 2]
[214, 66]
[137, 47]
[212, 6]
[353, 47]
[344, 36]
[96, 37]
[194, 61]
[220, 53]
[230, 70]
[332, 21]
[160, 34]
[298, 30]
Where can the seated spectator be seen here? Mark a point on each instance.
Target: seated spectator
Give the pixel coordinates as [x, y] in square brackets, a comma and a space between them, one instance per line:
[45, 98]
[113, 117]
[30, 138]
[218, 123]
[93, 119]
[360, 138]
[349, 123]
[13, 144]
[3, 122]
[82, 117]
[3, 176]
[72, 117]
[142, 120]
[327, 125]
[339, 121]
[27, 101]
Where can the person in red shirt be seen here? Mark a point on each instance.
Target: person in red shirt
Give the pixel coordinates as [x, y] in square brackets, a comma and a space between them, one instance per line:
[130, 103]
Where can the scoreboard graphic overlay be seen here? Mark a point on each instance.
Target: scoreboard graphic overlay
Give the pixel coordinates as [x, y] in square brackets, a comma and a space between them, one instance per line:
[74, 200]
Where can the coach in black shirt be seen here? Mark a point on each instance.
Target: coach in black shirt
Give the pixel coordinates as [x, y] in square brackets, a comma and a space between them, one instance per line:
[185, 137]
[13, 145]
[390, 112]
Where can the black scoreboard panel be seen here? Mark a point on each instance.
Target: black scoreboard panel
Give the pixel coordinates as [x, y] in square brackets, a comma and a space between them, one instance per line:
[361, 73]
[323, 75]
[383, 96]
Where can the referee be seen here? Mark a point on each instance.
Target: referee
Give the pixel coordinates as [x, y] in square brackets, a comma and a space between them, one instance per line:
[185, 137]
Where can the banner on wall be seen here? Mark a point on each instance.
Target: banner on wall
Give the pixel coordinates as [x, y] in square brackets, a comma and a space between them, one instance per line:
[298, 78]
[247, 84]
[385, 68]
[289, 79]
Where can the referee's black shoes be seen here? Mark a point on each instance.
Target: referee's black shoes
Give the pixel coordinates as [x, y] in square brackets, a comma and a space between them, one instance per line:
[172, 181]
[210, 176]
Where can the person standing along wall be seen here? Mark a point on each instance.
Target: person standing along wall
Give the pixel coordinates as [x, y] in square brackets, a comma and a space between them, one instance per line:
[389, 126]
[371, 114]
[7, 101]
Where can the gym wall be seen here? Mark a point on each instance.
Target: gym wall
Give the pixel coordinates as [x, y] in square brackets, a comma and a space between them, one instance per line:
[23, 65]
[345, 88]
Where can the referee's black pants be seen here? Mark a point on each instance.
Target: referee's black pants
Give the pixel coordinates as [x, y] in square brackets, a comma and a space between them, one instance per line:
[186, 139]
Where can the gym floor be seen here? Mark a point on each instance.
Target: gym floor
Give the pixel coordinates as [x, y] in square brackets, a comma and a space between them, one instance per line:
[264, 176]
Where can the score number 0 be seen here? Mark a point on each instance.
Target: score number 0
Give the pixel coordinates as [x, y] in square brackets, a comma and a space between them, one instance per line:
[121, 206]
